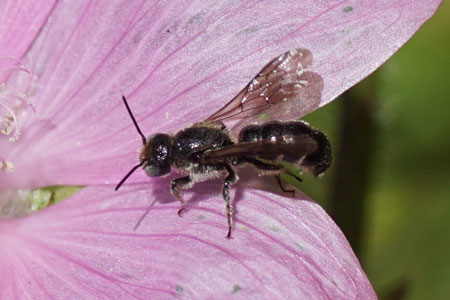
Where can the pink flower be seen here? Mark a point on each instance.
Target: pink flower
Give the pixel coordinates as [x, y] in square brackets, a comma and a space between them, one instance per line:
[177, 62]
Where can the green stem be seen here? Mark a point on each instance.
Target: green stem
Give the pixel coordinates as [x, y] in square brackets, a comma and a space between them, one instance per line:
[354, 160]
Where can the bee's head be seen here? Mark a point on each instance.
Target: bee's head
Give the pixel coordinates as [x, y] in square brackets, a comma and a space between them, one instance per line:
[156, 156]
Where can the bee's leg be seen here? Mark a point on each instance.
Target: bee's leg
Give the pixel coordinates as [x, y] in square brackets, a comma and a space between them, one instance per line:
[273, 167]
[293, 175]
[175, 188]
[262, 165]
[278, 178]
[230, 179]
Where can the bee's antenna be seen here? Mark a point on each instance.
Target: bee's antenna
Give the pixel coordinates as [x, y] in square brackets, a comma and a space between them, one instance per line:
[128, 174]
[144, 140]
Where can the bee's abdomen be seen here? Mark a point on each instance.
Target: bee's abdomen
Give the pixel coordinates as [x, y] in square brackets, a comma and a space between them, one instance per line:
[316, 162]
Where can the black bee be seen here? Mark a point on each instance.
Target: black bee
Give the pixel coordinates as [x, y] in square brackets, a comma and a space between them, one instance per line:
[284, 89]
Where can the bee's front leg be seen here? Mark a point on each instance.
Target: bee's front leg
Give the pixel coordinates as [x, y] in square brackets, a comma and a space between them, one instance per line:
[176, 187]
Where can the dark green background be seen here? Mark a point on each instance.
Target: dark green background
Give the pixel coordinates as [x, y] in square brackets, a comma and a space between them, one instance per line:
[390, 189]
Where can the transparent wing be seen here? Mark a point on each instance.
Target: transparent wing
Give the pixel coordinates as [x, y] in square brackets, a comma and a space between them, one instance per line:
[285, 80]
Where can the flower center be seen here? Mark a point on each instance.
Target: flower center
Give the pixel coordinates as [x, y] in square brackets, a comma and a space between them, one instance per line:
[18, 203]
[14, 203]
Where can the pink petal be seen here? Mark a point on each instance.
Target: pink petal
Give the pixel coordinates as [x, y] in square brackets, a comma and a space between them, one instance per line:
[20, 22]
[177, 62]
[86, 248]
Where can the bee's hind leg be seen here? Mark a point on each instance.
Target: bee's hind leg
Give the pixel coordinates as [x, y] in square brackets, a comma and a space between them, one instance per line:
[291, 191]
[175, 188]
[230, 179]
[273, 167]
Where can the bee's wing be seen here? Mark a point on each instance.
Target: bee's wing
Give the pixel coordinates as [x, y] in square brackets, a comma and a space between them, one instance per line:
[298, 146]
[285, 80]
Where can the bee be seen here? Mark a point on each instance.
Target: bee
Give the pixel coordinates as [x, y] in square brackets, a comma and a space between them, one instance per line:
[283, 90]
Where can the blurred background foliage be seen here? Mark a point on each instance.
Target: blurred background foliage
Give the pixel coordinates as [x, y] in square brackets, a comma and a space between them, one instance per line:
[389, 186]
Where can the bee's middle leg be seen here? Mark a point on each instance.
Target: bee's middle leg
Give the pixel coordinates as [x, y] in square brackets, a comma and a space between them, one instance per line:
[230, 179]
